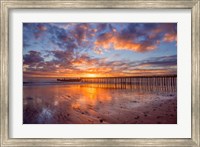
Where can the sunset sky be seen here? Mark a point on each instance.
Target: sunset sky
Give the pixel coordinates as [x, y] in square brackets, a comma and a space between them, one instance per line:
[99, 49]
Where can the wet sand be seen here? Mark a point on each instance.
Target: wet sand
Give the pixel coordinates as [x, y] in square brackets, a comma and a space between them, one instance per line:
[87, 104]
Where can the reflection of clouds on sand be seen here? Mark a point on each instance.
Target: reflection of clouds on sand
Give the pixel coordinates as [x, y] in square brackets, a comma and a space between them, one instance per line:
[76, 104]
[45, 116]
[56, 103]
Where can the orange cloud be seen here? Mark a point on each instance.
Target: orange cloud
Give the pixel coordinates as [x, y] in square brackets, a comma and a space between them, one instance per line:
[170, 37]
[84, 61]
[42, 27]
[109, 40]
[100, 69]
[98, 51]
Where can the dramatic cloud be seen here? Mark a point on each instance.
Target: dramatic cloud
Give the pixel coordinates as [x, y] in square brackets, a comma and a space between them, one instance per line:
[137, 37]
[169, 37]
[116, 42]
[161, 62]
[32, 57]
[102, 49]
[41, 27]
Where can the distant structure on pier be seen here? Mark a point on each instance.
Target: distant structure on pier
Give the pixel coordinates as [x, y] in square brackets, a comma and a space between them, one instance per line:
[69, 80]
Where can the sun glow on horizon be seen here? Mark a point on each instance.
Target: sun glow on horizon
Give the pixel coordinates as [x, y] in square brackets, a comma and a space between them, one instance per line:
[91, 75]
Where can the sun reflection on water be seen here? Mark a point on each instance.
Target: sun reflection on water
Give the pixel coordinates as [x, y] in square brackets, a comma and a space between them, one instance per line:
[82, 103]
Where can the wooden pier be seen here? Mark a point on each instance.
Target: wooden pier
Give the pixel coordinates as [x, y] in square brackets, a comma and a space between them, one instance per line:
[136, 80]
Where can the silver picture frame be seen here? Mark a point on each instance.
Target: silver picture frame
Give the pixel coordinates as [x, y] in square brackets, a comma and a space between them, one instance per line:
[7, 5]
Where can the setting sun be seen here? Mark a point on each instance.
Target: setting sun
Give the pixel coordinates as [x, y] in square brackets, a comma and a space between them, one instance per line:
[91, 75]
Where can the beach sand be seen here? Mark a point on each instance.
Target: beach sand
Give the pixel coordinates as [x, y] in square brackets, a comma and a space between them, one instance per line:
[90, 105]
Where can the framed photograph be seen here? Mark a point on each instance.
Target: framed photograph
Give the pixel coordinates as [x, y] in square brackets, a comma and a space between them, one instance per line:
[98, 73]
